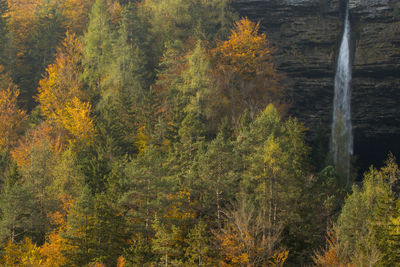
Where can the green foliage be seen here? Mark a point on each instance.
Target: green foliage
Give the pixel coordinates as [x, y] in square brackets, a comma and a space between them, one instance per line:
[97, 52]
[145, 189]
[199, 247]
[165, 243]
[188, 163]
[3, 30]
[47, 32]
[178, 19]
[216, 180]
[18, 207]
[95, 229]
[365, 226]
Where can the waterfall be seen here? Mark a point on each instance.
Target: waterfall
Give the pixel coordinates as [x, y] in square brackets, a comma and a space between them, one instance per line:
[342, 138]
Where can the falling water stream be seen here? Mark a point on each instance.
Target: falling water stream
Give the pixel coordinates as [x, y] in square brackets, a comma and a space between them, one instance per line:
[342, 138]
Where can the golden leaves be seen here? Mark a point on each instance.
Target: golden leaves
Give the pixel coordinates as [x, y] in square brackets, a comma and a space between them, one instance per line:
[60, 95]
[246, 51]
[77, 120]
[12, 119]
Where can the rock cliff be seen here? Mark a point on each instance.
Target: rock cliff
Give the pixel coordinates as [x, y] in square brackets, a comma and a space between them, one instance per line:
[307, 34]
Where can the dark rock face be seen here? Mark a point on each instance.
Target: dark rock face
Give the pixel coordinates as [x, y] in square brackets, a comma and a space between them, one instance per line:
[307, 34]
[376, 79]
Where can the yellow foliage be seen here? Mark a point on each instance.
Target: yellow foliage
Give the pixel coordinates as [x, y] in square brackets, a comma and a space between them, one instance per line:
[115, 10]
[141, 140]
[60, 95]
[12, 118]
[121, 262]
[279, 258]
[246, 51]
[24, 254]
[5, 79]
[182, 207]
[233, 248]
[96, 264]
[77, 120]
[53, 251]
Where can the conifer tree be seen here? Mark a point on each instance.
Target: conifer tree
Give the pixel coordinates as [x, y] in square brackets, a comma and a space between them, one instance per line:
[3, 31]
[97, 53]
[48, 31]
[18, 206]
[199, 247]
[145, 188]
[367, 223]
[218, 177]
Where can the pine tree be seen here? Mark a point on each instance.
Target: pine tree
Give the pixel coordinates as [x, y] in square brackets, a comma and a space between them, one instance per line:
[199, 247]
[164, 243]
[3, 30]
[18, 206]
[218, 177]
[48, 31]
[97, 53]
[367, 223]
[145, 189]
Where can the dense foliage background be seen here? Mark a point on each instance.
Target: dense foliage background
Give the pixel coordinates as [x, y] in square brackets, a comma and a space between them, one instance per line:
[154, 132]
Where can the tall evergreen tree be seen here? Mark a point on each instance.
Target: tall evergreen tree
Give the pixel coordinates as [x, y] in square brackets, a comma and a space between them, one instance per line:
[3, 30]
[98, 50]
[18, 207]
[146, 188]
[48, 31]
[367, 221]
[217, 184]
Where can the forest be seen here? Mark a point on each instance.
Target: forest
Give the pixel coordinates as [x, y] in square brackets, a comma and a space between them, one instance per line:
[157, 133]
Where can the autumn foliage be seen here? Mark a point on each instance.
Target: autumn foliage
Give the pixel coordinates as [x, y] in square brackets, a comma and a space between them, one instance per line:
[12, 119]
[245, 73]
[61, 96]
[246, 52]
[150, 133]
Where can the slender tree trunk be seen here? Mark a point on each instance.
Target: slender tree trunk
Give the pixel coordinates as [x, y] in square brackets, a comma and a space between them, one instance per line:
[86, 234]
[218, 195]
[147, 204]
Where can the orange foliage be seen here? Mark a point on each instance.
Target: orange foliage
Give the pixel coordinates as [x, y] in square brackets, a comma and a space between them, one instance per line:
[246, 52]
[53, 251]
[245, 76]
[21, 154]
[12, 119]
[233, 249]
[60, 95]
[330, 256]
[121, 262]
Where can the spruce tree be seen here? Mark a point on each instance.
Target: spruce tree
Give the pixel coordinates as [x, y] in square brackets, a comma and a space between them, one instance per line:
[3, 30]
[18, 207]
[97, 52]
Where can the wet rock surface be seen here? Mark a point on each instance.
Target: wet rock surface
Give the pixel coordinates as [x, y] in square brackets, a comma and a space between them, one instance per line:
[307, 34]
